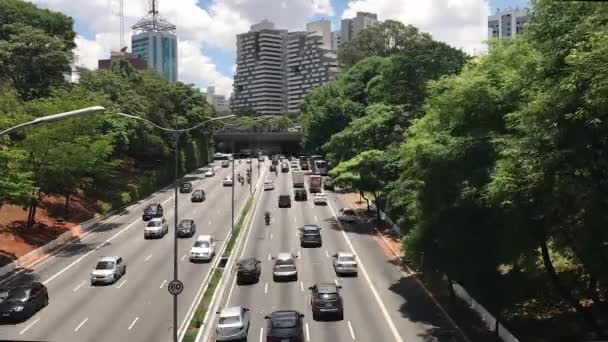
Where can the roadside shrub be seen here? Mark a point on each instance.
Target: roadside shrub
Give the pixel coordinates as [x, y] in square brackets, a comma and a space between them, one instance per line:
[105, 208]
[124, 198]
[133, 190]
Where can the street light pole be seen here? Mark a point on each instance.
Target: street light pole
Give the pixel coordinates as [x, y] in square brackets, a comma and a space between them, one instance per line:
[233, 185]
[176, 135]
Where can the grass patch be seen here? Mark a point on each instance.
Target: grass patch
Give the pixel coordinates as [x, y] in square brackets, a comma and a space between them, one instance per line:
[238, 226]
[201, 310]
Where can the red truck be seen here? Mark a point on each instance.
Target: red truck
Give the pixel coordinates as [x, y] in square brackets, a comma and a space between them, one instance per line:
[314, 183]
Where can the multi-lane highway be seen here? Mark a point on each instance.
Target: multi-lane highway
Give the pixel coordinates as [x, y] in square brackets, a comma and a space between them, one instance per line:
[138, 307]
[381, 304]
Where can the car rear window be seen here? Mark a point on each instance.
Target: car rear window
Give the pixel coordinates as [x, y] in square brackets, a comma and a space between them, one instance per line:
[185, 224]
[328, 296]
[346, 258]
[203, 244]
[229, 320]
[283, 323]
[150, 210]
[153, 223]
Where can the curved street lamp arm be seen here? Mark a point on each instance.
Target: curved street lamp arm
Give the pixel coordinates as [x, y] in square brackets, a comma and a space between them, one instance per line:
[172, 129]
[55, 117]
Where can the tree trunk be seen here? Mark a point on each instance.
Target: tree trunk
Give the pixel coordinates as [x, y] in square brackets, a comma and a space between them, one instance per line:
[565, 293]
[67, 205]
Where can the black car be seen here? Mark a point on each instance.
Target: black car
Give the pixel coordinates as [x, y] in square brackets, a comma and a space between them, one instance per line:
[248, 271]
[300, 195]
[273, 167]
[185, 187]
[186, 228]
[284, 167]
[284, 201]
[304, 166]
[310, 235]
[326, 300]
[225, 163]
[198, 196]
[21, 302]
[152, 211]
[285, 326]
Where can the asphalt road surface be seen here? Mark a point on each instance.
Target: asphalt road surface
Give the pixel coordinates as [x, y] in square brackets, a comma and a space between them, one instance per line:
[381, 304]
[138, 307]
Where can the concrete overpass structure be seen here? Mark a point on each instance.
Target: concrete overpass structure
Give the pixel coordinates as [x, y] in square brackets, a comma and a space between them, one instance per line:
[268, 142]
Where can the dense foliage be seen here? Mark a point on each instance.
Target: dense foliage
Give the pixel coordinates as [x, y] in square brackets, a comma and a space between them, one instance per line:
[498, 173]
[106, 156]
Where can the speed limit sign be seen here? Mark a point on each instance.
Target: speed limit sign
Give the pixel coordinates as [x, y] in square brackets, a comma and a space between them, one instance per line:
[175, 287]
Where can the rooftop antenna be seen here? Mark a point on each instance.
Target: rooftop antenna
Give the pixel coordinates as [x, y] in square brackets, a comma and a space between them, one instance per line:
[122, 24]
[153, 22]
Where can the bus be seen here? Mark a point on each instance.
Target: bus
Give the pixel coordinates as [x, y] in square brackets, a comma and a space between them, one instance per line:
[320, 167]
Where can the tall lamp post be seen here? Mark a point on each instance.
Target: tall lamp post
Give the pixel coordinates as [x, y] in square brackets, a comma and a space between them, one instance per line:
[54, 118]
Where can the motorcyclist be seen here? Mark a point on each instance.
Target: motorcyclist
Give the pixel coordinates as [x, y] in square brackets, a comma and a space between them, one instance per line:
[267, 217]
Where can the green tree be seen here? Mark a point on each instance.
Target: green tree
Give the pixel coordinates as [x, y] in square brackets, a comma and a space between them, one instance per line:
[355, 80]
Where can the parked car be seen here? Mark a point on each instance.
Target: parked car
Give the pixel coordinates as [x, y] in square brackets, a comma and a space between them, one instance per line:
[285, 326]
[156, 227]
[108, 270]
[300, 195]
[284, 201]
[198, 196]
[248, 270]
[284, 267]
[21, 302]
[345, 263]
[227, 181]
[186, 228]
[320, 199]
[347, 215]
[310, 234]
[203, 248]
[152, 210]
[326, 300]
[233, 324]
[185, 187]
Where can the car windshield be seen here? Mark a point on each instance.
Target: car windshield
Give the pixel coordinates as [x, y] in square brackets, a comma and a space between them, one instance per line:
[105, 265]
[186, 185]
[328, 296]
[154, 224]
[185, 224]
[17, 293]
[229, 320]
[348, 212]
[346, 259]
[203, 244]
[150, 210]
[286, 268]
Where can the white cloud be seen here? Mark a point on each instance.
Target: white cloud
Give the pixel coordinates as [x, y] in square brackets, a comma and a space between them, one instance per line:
[460, 23]
[194, 67]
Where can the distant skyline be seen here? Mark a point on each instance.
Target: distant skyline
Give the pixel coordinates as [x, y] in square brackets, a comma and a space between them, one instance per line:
[207, 29]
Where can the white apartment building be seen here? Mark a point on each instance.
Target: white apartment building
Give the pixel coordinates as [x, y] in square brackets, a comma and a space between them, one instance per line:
[276, 69]
[336, 40]
[259, 82]
[352, 27]
[507, 24]
[218, 102]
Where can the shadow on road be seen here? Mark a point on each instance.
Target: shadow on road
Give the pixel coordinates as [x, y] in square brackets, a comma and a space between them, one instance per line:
[77, 248]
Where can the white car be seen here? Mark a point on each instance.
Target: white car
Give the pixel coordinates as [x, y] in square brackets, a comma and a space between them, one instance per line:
[227, 181]
[345, 263]
[156, 227]
[320, 199]
[233, 324]
[203, 248]
[347, 215]
[108, 270]
[210, 173]
[284, 267]
[269, 185]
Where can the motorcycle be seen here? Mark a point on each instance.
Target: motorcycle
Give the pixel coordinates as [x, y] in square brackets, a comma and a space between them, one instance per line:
[267, 218]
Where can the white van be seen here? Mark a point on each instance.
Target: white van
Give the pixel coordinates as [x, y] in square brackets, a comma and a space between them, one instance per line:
[203, 248]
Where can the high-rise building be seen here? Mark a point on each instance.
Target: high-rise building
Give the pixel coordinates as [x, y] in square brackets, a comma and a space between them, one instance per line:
[156, 44]
[507, 24]
[276, 69]
[218, 102]
[323, 29]
[117, 56]
[336, 40]
[159, 50]
[352, 27]
[259, 82]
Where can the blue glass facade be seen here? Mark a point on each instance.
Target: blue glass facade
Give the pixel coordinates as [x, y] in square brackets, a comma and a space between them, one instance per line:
[159, 50]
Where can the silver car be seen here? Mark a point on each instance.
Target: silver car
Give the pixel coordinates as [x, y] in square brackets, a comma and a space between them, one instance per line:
[284, 267]
[156, 227]
[108, 270]
[233, 324]
[345, 263]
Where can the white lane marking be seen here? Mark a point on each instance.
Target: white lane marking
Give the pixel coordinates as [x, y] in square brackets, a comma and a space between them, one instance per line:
[299, 254]
[294, 219]
[261, 334]
[269, 257]
[148, 258]
[90, 252]
[122, 283]
[270, 236]
[302, 286]
[266, 288]
[209, 222]
[163, 284]
[352, 332]
[326, 253]
[307, 333]
[316, 219]
[311, 206]
[184, 257]
[29, 326]
[133, 323]
[79, 286]
[385, 313]
[336, 281]
[81, 324]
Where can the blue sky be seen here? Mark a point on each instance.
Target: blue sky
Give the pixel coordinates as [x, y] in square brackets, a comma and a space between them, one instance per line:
[207, 28]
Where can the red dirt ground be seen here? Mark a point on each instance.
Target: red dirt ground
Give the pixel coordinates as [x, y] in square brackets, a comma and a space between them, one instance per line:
[16, 240]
